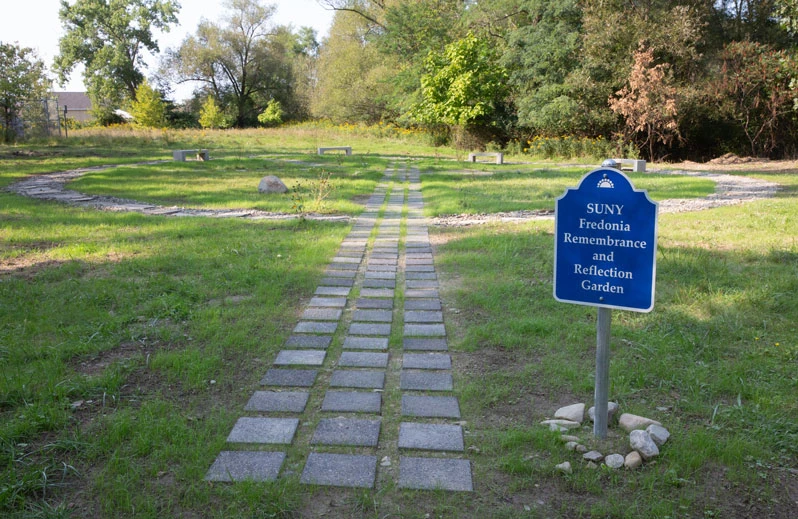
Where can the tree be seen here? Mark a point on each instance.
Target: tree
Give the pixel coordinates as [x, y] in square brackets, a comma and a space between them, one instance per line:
[23, 80]
[272, 115]
[108, 37]
[210, 115]
[648, 102]
[148, 109]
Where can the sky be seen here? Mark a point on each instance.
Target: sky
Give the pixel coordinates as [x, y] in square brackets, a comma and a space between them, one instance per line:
[35, 24]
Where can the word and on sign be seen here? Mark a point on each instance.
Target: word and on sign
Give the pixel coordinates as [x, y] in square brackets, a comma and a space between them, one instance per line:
[605, 243]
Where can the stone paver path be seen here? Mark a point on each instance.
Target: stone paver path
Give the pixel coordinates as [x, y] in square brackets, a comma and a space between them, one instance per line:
[381, 370]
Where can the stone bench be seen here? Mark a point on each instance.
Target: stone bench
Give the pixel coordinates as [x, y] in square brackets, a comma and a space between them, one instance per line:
[638, 166]
[472, 157]
[180, 155]
[347, 149]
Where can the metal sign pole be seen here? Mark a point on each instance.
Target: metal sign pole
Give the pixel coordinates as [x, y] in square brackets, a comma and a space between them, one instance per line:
[602, 372]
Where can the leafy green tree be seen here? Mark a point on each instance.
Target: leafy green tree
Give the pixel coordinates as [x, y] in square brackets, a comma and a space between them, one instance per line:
[109, 37]
[23, 80]
[211, 116]
[462, 87]
[272, 115]
[148, 109]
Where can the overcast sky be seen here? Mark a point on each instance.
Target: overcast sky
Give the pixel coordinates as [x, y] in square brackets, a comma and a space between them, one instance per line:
[34, 23]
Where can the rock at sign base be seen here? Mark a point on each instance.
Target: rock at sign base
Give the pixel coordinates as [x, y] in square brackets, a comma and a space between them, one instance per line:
[614, 461]
[658, 433]
[271, 184]
[630, 422]
[612, 408]
[633, 460]
[573, 413]
[567, 438]
[568, 424]
[594, 456]
[571, 446]
[642, 443]
[564, 467]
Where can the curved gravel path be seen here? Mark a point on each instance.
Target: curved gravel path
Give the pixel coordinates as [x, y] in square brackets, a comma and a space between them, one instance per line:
[729, 190]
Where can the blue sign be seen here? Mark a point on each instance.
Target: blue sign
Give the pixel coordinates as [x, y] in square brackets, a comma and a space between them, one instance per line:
[605, 243]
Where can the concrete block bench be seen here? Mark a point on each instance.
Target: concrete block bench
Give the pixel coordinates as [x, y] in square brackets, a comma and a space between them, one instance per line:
[180, 155]
[346, 149]
[637, 166]
[472, 157]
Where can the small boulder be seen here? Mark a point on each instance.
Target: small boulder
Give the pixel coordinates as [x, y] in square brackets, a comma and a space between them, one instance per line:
[574, 413]
[594, 456]
[567, 438]
[581, 449]
[571, 446]
[642, 443]
[612, 409]
[271, 184]
[614, 461]
[631, 422]
[633, 460]
[564, 467]
[568, 424]
[658, 433]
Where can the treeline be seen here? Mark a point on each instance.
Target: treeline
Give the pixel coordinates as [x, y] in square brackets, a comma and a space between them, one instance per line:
[673, 79]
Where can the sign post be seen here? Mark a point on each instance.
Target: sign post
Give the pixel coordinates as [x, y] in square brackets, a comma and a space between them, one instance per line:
[604, 255]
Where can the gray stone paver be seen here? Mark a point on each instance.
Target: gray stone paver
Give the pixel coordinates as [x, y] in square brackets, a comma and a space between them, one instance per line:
[366, 343]
[338, 282]
[435, 473]
[330, 302]
[425, 344]
[322, 314]
[246, 465]
[278, 401]
[421, 283]
[263, 430]
[420, 268]
[423, 304]
[373, 329]
[309, 341]
[374, 316]
[348, 274]
[315, 327]
[391, 276]
[425, 330]
[363, 360]
[426, 361]
[333, 291]
[424, 316]
[300, 357]
[374, 303]
[289, 377]
[422, 293]
[421, 275]
[358, 379]
[340, 470]
[347, 431]
[431, 437]
[379, 283]
[377, 292]
[425, 381]
[352, 402]
[424, 406]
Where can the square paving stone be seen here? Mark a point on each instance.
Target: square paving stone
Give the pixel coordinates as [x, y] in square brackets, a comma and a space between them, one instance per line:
[351, 402]
[379, 283]
[430, 406]
[347, 431]
[322, 314]
[435, 473]
[423, 304]
[358, 379]
[431, 437]
[421, 275]
[246, 465]
[328, 302]
[425, 381]
[309, 341]
[377, 292]
[300, 357]
[315, 327]
[354, 359]
[289, 377]
[340, 470]
[337, 282]
[425, 344]
[424, 330]
[333, 291]
[373, 316]
[370, 329]
[424, 316]
[374, 303]
[278, 401]
[422, 293]
[263, 430]
[426, 361]
[366, 343]
[421, 283]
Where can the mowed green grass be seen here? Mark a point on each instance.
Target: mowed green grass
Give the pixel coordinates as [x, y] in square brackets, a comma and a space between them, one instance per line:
[130, 344]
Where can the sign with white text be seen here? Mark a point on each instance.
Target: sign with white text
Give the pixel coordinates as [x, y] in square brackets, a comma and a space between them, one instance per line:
[605, 243]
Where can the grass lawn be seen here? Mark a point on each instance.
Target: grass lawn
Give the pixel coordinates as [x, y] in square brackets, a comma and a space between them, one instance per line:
[130, 344]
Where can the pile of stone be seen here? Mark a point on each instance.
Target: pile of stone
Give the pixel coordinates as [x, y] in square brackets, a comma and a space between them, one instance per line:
[646, 436]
